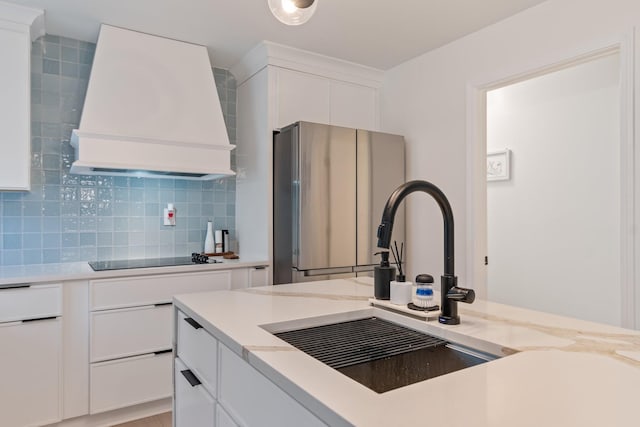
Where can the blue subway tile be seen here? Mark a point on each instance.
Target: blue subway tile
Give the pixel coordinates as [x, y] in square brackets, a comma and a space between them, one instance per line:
[12, 224]
[32, 241]
[32, 256]
[12, 257]
[11, 241]
[32, 224]
[88, 239]
[50, 66]
[51, 240]
[50, 256]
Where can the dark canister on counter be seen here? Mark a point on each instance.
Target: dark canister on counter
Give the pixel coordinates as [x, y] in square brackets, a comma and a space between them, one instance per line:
[383, 274]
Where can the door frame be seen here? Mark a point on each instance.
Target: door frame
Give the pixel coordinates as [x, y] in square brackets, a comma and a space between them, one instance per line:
[476, 243]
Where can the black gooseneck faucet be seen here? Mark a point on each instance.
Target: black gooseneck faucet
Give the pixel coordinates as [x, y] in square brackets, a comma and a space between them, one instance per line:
[450, 291]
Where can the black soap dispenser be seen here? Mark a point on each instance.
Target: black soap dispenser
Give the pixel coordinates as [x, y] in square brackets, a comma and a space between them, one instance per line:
[383, 274]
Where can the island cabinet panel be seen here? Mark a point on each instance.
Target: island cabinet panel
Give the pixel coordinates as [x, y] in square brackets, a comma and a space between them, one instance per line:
[198, 350]
[31, 356]
[223, 419]
[194, 406]
[253, 400]
[209, 375]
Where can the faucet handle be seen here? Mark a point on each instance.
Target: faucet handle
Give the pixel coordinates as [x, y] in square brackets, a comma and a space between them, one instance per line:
[461, 294]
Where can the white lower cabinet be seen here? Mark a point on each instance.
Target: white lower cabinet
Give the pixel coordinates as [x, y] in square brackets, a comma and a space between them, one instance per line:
[253, 400]
[129, 381]
[236, 394]
[31, 358]
[194, 406]
[223, 419]
[131, 332]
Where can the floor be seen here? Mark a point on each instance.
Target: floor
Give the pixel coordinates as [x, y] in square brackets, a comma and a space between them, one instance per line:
[162, 420]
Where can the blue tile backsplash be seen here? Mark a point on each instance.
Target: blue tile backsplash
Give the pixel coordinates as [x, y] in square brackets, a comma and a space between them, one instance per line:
[67, 218]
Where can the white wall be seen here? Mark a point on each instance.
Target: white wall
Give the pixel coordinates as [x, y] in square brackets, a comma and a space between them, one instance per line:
[553, 228]
[425, 99]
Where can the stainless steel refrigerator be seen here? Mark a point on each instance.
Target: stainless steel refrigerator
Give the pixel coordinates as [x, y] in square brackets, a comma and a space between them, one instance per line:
[330, 186]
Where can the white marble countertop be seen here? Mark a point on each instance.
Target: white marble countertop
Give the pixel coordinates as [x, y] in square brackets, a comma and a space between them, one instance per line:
[11, 275]
[559, 371]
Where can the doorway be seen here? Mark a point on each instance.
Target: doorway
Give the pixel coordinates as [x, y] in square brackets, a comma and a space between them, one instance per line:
[555, 216]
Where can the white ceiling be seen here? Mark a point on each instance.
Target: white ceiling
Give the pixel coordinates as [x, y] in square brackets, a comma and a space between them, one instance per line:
[380, 34]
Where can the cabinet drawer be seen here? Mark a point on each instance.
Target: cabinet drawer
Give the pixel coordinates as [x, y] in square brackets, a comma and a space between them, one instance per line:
[145, 290]
[198, 350]
[193, 405]
[130, 331]
[30, 302]
[30, 369]
[258, 276]
[254, 400]
[126, 382]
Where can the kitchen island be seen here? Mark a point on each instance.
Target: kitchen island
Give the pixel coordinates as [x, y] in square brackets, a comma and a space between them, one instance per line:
[556, 371]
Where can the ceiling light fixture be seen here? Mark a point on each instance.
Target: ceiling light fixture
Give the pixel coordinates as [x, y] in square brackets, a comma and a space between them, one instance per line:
[293, 12]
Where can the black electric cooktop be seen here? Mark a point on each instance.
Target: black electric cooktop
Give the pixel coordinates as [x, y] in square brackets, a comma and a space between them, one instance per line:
[125, 264]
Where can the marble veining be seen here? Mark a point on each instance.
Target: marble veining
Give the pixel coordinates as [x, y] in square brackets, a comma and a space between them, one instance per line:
[604, 344]
[557, 370]
[315, 296]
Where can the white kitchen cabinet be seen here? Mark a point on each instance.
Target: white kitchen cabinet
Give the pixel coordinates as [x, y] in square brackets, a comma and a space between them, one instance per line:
[258, 276]
[125, 382]
[154, 289]
[253, 400]
[223, 419]
[250, 277]
[198, 350]
[301, 96]
[352, 105]
[194, 406]
[31, 358]
[131, 333]
[18, 27]
[240, 394]
[312, 98]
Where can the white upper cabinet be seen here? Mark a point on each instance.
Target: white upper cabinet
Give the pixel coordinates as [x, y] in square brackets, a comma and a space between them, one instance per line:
[301, 96]
[352, 105]
[19, 26]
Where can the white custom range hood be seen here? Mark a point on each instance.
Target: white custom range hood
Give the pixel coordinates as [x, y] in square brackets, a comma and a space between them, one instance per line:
[152, 110]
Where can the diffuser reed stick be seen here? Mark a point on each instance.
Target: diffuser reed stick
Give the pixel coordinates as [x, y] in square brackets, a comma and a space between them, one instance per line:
[397, 256]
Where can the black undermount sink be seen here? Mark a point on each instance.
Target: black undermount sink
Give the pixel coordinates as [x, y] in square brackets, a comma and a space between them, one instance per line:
[382, 355]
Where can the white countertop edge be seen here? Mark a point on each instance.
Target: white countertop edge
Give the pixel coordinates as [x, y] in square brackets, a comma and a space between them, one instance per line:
[40, 273]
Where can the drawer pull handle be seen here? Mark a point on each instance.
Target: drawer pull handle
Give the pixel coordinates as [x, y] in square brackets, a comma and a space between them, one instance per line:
[162, 352]
[193, 380]
[261, 267]
[160, 304]
[38, 319]
[19, 286]
[193, 323]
